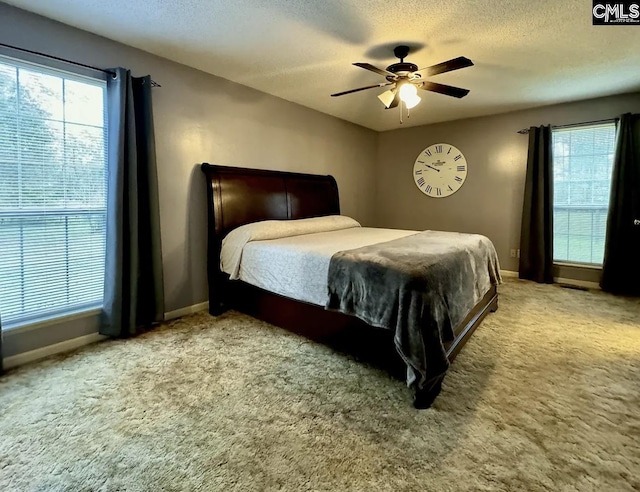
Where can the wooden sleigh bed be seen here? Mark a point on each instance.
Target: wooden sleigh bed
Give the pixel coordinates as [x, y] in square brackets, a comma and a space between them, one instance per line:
[239, 196]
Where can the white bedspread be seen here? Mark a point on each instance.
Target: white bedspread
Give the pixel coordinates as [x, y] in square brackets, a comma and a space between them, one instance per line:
[297, 266]
[233, 244]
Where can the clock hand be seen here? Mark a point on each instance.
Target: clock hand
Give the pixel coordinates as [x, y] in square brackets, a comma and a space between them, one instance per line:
[431, 167]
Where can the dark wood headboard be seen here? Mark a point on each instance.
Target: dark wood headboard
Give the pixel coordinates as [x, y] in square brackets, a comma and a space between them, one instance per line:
[238, 196]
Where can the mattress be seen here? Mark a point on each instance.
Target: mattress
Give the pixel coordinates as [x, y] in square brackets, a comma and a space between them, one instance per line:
[297, 266]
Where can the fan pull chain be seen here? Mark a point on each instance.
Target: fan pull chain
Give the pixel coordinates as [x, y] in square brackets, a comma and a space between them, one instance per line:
[408, 112]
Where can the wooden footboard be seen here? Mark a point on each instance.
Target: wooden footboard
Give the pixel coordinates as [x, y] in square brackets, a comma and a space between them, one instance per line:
[489, 303]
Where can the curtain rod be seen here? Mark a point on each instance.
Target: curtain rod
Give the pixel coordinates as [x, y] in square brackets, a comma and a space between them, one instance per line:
[90, 67]
[525, 131]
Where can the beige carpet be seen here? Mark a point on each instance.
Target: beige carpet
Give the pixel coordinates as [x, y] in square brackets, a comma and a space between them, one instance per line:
[545, 396]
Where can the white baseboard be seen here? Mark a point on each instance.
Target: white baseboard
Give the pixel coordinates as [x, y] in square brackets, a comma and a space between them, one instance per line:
[196, 308]
[509, 273]
[577, 283]
[74, 343]
[558, 280]
[56, 348]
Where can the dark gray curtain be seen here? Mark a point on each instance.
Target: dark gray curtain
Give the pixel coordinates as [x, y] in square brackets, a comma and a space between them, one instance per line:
[536, 237]
[133, 294]
[621, 268]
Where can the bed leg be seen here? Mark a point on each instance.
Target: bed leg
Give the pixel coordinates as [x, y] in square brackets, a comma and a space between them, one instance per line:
[217, 302]
[216, 308]
[494, 306]
[217, 299]
[424, 398]
[218, 292]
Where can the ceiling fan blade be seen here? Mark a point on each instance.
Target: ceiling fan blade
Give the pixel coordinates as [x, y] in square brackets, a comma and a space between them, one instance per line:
[448, 66]
[371, 68]
[447, 90]
[361, 89]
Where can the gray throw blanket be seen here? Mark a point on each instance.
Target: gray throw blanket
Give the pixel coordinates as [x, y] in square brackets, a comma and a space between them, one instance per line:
[422, 287]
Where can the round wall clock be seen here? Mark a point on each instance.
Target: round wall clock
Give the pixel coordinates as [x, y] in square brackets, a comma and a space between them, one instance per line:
[440, 170]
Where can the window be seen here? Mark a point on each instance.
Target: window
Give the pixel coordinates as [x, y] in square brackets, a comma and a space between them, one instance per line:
[582, 168]
[52, 192]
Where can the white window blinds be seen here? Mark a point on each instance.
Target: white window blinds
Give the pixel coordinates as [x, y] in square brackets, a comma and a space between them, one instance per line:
[582, 168]
[52, 192]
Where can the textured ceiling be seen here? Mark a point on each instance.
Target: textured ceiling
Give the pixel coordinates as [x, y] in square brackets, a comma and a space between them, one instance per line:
[526, 53]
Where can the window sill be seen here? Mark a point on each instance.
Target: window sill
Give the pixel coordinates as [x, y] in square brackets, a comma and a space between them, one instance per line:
[44, 322]
[589, 266]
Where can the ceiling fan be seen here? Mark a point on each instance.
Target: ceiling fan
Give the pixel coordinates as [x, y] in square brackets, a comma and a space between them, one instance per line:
[405, 79]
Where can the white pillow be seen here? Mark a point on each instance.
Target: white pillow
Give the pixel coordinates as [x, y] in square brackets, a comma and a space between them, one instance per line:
[233, 243]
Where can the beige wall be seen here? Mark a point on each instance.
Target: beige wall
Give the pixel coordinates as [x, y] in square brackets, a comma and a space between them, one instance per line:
[203, 118]
[490, 202]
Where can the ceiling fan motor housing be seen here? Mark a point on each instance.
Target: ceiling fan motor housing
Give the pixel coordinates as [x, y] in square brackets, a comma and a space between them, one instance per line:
[401, 69]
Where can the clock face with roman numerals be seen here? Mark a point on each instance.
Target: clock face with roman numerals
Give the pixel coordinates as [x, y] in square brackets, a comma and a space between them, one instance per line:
[440, 170]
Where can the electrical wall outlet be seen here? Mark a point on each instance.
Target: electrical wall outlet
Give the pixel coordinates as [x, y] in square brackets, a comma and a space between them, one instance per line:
[513, 253]
[518, 253]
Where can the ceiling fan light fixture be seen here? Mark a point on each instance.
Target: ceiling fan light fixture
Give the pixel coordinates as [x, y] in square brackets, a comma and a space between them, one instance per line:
[411, 102]
[409, 95]
[408, 91]
[387, 97]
